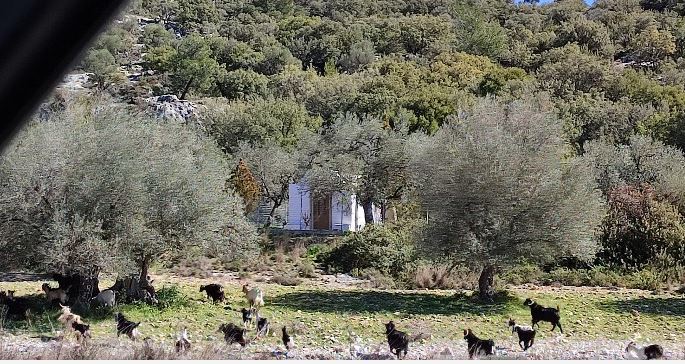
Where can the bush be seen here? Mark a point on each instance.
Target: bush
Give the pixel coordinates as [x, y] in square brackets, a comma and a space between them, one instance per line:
[604, 277]
[377, 279]
[386, 248]
[171, 296]
[286, 280]
[526, 273]
[306, 269]
[646, 279]
[435, 277]
[640, 226]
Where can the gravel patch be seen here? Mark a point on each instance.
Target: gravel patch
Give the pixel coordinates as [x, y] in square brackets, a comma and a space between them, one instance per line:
[559, 348]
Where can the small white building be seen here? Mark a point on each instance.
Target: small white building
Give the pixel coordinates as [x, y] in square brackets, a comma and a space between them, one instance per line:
[338, 211]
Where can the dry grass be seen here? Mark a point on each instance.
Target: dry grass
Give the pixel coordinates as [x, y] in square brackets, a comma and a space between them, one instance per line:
[115, 349]
[306, 269]
[199, 267]
[286, 280]
[440, 277]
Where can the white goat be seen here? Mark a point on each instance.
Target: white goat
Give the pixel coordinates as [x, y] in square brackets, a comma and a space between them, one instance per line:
[67, 318]
[106, 298]
[53, 294]
[254, 296]
[648, 352]
[182, 341]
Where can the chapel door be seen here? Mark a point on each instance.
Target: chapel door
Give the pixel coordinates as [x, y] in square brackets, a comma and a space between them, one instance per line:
[321, 211]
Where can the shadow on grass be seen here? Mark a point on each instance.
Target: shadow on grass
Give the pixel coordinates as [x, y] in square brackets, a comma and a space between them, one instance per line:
[42, 316]
[380, 301]
[673, 306]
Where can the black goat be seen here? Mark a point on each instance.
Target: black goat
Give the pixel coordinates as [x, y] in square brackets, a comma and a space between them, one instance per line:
[124, 326]
[287, 340]
[214, 291]
[82, 329]
[541, 313]
[262, 327]
[477, 346]
[17, 307]
[653, 351]
[397, 340]
[526, 334]
[247, 316]
[233, 334]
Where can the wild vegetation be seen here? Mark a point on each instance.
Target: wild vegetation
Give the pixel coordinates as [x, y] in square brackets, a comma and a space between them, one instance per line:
[513, 142]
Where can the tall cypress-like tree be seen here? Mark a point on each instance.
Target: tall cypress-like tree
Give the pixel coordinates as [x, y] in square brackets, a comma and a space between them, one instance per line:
[245, 184]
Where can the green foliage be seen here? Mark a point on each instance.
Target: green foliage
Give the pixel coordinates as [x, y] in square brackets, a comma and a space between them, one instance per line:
[193, 14]
[588, 34]
[155, 35]
[589, 118]
[103, 66]
[653, 45]
[496, 188]
[361, 156]
[171, 296]
[258, 121]
[117, 41]
[122, 190]
[385, 248]
[477, 35]
[189, 64]
[500, 80]
[242, 83]
[568, 70]
[639, 226]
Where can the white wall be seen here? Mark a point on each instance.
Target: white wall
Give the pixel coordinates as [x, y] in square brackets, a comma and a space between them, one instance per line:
[346, 213]
[299, 206]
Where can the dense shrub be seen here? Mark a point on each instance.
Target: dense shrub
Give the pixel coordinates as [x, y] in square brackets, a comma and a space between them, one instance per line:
[650, 278]
[171, 296]
[639, 226]
[386, 248]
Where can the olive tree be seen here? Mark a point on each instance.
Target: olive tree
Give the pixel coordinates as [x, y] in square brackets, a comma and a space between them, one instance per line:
[275, 168]
[101, 189]
[640, 161]
[497, 187]
[364, 156]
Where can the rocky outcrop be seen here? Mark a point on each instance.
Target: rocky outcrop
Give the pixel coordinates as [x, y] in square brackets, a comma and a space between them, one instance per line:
[171, 107]
[76, 81]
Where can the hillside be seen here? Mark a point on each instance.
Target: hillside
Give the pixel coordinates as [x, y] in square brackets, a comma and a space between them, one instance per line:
[480, 150]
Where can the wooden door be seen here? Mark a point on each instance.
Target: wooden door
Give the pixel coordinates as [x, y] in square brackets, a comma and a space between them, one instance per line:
[321, 211]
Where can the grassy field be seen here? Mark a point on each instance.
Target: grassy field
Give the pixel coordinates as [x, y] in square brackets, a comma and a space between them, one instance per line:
[327, 317]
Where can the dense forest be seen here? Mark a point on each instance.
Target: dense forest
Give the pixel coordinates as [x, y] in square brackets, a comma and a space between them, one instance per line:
[525, 133]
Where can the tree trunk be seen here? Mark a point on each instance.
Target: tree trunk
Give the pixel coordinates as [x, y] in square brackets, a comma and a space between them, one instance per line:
[486, 282]
[272, 213]
[368, 212]
[144, 268]
[186, 89]
[85, 287]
